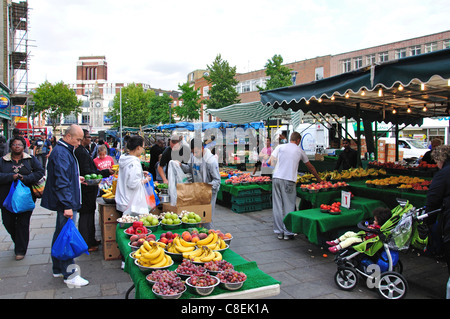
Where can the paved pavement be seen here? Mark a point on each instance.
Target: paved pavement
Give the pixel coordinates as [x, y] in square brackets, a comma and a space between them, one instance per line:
[301, 267]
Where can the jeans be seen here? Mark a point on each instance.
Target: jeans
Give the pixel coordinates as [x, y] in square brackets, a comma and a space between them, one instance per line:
[61, 266]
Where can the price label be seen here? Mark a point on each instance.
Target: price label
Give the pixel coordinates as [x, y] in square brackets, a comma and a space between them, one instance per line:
[345, 199]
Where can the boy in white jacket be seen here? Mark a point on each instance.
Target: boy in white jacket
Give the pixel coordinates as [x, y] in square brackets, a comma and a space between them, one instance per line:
[205, 169]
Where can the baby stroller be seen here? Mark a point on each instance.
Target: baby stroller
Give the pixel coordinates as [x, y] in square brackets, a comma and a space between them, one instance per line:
[377, 259]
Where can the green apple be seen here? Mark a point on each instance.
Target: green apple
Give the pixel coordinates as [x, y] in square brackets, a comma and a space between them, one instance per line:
[198, 219]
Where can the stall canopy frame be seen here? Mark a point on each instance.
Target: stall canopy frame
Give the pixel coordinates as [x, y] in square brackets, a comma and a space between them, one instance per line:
[374, 92]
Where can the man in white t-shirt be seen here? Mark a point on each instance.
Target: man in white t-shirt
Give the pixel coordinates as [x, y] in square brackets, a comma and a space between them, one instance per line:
[284, 178]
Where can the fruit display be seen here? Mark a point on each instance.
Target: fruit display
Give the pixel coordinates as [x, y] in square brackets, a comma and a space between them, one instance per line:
[169, 287]
[149, 220]
[167, 237]
[324, 185]
[334, 208]
[425, 165]
[151, 254]
[205, 280]
[162, 275]
[190, 217]
[127, 219]
[231, 276]
[395, 181]
[179, 246]
[138, 240]
[247, 178]
[333, 176]
[137, 228]
[203, 255]
[218, 265]
[212, 241]
[161, 185]
[170, 218]
[188, 268]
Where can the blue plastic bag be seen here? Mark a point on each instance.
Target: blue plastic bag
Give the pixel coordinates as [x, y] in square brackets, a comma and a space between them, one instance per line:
[19, 198]
[69, 244]
[150, 194]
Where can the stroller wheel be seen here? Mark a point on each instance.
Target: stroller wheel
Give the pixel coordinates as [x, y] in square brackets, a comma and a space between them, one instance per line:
[392, 285]
[346, 278]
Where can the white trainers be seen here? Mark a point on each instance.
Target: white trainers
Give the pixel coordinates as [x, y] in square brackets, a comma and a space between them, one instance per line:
[76, 282]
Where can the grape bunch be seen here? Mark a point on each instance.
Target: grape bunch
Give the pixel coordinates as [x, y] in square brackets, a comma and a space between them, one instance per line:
[162, 275]
[202, 280]
[188, 268]
[169, 286]
[231, 276]
[218, 265]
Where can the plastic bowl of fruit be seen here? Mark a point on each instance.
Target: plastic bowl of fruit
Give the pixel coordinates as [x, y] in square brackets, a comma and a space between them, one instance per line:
[202, 285]
[169, 226]
[228, 240]
[231, 279]
[173, 289]
[93, 182]
[221, 250]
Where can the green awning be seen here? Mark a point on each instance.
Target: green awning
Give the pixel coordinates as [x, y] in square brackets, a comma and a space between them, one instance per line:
[5, 113]
[243, 113]
[374, 92]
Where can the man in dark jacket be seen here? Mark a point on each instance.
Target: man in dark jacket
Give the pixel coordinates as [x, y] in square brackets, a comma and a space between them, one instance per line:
[348, 158]
[438, 196]
[86, 222]
[62, 194]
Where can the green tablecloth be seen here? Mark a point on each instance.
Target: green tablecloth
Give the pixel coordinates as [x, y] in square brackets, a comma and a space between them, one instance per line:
[388, 196]
[256, 278]
[236, 189]
[319, 198]
[312, 222]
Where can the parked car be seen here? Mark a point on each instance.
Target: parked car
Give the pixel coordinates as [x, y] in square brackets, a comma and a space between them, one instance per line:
[412, 149]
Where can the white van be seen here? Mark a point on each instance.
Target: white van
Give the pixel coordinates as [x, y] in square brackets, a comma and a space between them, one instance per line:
[411, 148]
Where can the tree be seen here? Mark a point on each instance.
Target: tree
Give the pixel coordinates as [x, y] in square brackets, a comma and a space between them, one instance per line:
[135, 106]
[55, 100]
[279, 75]
[161, 113]
[223, 82]
[191, 103]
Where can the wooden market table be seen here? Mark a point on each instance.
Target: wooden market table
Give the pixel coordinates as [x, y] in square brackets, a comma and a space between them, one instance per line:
[257, 285]
[312, 222]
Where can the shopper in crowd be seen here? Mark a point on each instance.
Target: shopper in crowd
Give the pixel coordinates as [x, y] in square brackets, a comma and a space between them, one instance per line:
[286, 158]
[348, 158]
[86, 222]
[155, 151]
[2, 145]
[62, 194]
[427, 158]
[264, 157]
[175, 151]
[158, 177]
[130, 194]
[438, 196]
[14, 166]
[204, 168]
[103, 161]
[16, 132]
[42, 148]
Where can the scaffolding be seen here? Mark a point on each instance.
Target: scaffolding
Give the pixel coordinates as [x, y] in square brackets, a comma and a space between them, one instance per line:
[18, 50]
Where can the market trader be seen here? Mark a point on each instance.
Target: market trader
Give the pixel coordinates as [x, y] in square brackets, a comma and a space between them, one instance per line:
[62, 194]
[175, 151]
[284, 194]
[348, 158]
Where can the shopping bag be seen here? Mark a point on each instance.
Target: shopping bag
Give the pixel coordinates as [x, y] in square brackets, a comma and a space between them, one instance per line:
[137, 204]
[19, 198]
[22, 200]
[7, 202]
[69, 244]
[150, 194]
[38, 188]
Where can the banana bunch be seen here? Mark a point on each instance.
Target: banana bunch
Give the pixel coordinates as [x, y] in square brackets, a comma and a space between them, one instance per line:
[203, 254]
[180, 246]
[151, 254]
[108, 193]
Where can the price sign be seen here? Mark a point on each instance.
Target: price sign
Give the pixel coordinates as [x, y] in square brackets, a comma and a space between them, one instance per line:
[345, 199]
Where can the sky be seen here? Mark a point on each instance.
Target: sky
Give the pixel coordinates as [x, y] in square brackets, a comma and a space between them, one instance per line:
[160, 42]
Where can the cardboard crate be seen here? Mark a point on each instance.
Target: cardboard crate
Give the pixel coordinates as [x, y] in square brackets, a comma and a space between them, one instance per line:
[111, 250]
[109, 231]
[204, 211]
[108, 213]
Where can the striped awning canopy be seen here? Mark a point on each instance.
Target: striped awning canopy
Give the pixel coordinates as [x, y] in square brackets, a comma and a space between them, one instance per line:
[243, 113]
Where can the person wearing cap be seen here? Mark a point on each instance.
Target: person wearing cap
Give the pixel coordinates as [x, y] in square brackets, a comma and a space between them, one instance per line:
[42, 148]
[176, 151]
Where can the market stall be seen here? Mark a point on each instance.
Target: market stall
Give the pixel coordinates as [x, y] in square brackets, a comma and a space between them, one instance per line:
[315, 224]
[257, 285]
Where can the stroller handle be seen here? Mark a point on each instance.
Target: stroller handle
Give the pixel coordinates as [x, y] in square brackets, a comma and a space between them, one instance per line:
[426, 215]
